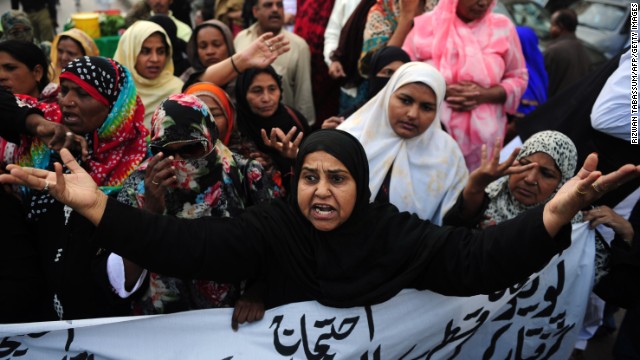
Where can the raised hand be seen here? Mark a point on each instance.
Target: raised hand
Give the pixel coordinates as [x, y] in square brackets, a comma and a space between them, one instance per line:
[159, 175]
[282, 142]
[78, 190]
[583, 189]
[491, 170]
[261, 52]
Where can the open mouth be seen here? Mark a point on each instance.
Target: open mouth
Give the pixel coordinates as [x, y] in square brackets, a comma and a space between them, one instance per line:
[323, 211]
[69, 118]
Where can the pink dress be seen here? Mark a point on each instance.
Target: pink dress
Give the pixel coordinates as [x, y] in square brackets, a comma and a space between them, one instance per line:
[485, 51]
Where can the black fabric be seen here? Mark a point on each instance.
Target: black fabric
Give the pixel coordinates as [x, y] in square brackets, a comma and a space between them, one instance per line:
[250, 124]
[454, 217]
[570, 113]
[12, 117]
[379, 60]
[367, 260]
[350, 43]
[21, 278]
[620, 286]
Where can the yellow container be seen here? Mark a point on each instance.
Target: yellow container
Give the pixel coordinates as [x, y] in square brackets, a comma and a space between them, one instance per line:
[87, 22]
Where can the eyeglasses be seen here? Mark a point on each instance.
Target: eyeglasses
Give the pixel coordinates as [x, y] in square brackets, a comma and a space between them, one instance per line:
[188, 151]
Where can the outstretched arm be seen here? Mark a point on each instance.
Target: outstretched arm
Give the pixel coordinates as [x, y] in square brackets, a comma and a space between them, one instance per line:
[260, 54]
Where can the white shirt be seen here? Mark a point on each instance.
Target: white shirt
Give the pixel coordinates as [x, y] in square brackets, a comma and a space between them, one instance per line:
[342, 10]
[611, 113]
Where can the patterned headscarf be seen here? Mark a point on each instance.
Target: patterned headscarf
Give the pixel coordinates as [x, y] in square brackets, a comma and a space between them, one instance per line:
[86, 42]
[119, 144]
[185, 119]
[502, 205]
[222, 99]
[12, 18]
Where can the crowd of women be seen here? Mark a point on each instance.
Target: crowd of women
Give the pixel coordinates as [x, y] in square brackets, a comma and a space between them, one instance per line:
[276, 211]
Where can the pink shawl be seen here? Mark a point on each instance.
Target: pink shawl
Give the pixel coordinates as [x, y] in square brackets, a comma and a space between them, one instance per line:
[485, 51]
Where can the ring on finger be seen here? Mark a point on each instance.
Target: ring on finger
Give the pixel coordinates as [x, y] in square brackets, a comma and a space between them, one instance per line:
[45, 189]
[154, 182]
[270, 48]
[580, 192]
[69, 134]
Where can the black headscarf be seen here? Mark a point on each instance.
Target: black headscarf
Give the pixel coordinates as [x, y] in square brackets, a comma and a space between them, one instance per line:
[250, 124]
[379, 60]
[344, 147]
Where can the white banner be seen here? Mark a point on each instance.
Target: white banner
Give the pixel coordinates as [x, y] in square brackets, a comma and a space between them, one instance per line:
[539, 319]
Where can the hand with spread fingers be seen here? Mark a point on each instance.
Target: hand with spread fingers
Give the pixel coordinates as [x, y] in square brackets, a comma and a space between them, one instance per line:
[78, 189]
[159, 175]
[583, 189]
[491, 169]
[262, 52]
[604, 215]
[283, 142]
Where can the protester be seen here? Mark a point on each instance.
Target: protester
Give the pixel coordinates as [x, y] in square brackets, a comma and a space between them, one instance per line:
[294, 66]
[260, 108]
[23, 71]
[178, 46]
[536, 92]
[329, 243]
[210, 43]
[204, 180]
[17, 26]
[414, 164]
[39, 16]
[83, 281]
[145, 49]
[68, 46]
[479, 55]
[220, 107]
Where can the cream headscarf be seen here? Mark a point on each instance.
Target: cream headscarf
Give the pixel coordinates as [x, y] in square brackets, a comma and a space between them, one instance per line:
[152, 92]
[428, 170]
[88, 46]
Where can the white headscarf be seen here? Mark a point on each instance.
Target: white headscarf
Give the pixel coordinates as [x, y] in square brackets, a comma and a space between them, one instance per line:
[428, 170]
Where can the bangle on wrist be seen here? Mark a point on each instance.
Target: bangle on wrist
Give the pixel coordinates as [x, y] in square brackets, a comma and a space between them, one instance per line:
[233, 64]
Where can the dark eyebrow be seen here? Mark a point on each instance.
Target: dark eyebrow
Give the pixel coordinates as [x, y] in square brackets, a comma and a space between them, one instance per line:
[336, 171]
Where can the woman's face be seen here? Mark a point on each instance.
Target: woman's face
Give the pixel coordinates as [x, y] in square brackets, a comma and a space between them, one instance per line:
[16, 76]
[68, 50]
[389, 69]
[537, 184]
[470, 10]
[152, 57]
[326, 191]
[211, 46]
[412, 109]
[263, 95]
[81, 113]
[218, 115]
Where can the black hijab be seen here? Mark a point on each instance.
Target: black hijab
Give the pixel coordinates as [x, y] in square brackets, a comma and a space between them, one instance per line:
[250, 124]
[379, 60]
[353, 264]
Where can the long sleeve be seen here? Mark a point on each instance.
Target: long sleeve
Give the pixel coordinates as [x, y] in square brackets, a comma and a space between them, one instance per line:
[219, 249]
[478, 262]
[303, 92]
[515, 77]
[342, 10]
[13, 117]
